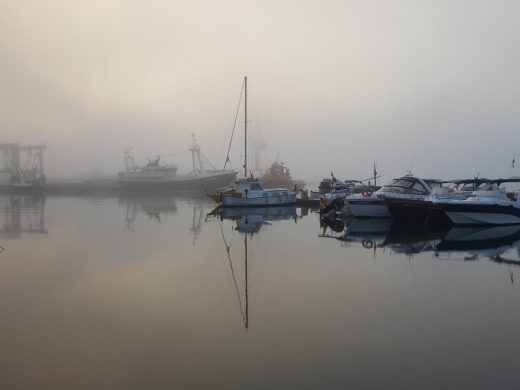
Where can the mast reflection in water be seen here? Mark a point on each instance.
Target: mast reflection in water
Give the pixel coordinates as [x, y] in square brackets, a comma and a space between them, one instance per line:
[248, 222]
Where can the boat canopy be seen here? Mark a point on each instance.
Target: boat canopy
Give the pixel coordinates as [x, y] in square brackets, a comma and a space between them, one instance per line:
[409, 183]
[478, 181]
[248, 184]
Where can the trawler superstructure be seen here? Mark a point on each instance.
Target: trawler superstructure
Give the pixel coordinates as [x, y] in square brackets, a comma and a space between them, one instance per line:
[156, 177]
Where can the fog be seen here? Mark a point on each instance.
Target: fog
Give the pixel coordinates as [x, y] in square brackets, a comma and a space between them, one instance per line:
[426, 86]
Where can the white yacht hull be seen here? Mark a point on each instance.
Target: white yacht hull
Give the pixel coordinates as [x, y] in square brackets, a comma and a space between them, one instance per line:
[477, 218]
[481, 211]
[271, 199]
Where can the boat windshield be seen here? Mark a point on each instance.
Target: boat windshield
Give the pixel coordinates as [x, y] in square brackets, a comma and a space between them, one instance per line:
[256, 186]
[434, 183]
[406, 184]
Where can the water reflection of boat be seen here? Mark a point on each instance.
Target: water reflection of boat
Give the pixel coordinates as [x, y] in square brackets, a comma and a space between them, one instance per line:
[388, 233]
[250, 220]
[152, 206]
[331, 223]
[500, 244]
[159, 206]
[368, 228]
[487, 241]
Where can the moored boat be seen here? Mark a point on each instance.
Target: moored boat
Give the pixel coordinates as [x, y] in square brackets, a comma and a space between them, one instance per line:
[157, 177]
[370, 204]
[279, 176]
[491, 207]
[248, 191]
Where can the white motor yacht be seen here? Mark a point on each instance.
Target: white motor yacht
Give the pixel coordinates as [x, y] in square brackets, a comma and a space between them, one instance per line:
[489, 207]
[370, 204]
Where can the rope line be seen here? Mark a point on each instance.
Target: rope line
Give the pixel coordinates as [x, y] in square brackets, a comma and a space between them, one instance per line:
[234, 126]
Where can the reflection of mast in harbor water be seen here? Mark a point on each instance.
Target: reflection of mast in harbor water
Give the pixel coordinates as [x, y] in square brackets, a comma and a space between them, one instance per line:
[248, 222]
[196, 222]
[22, 214]
[247, 285]
[243, 312]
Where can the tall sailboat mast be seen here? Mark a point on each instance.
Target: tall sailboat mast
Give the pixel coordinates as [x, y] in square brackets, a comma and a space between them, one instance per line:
[245, 126]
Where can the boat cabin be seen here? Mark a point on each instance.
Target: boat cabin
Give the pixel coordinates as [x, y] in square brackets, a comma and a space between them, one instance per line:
[248, 184]
[413, 184]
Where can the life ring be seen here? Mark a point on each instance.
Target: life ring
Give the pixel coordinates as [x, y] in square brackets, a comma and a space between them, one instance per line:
[367, 193]
[367, 244]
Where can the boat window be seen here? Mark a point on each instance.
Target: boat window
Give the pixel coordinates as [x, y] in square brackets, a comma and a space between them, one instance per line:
[434, 184]
[256, 186]
[403, 183]
[419, 187]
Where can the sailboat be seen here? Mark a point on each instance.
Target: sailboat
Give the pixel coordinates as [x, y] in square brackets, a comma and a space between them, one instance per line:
[248, 191]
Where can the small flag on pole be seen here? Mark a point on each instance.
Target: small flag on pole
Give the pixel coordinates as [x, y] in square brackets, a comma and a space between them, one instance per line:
[513, 162]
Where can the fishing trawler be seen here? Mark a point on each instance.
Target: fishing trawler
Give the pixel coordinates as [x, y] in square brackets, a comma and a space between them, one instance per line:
[155, 177]
[279, 176]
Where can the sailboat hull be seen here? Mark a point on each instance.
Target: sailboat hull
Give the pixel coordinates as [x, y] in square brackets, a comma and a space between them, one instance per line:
[270, 198]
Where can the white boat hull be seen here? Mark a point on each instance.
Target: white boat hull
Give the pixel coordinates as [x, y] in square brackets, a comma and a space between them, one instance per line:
[482, 211]
[476, 218]
[272, 199]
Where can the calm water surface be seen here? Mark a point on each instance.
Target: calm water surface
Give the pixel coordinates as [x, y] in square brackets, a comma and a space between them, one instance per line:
[154, 293]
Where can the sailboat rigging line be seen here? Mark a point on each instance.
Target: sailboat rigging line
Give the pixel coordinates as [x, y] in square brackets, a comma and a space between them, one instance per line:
[233, 273]
[234, 125]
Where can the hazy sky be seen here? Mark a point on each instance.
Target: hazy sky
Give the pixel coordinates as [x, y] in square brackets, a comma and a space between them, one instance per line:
[335, 85]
